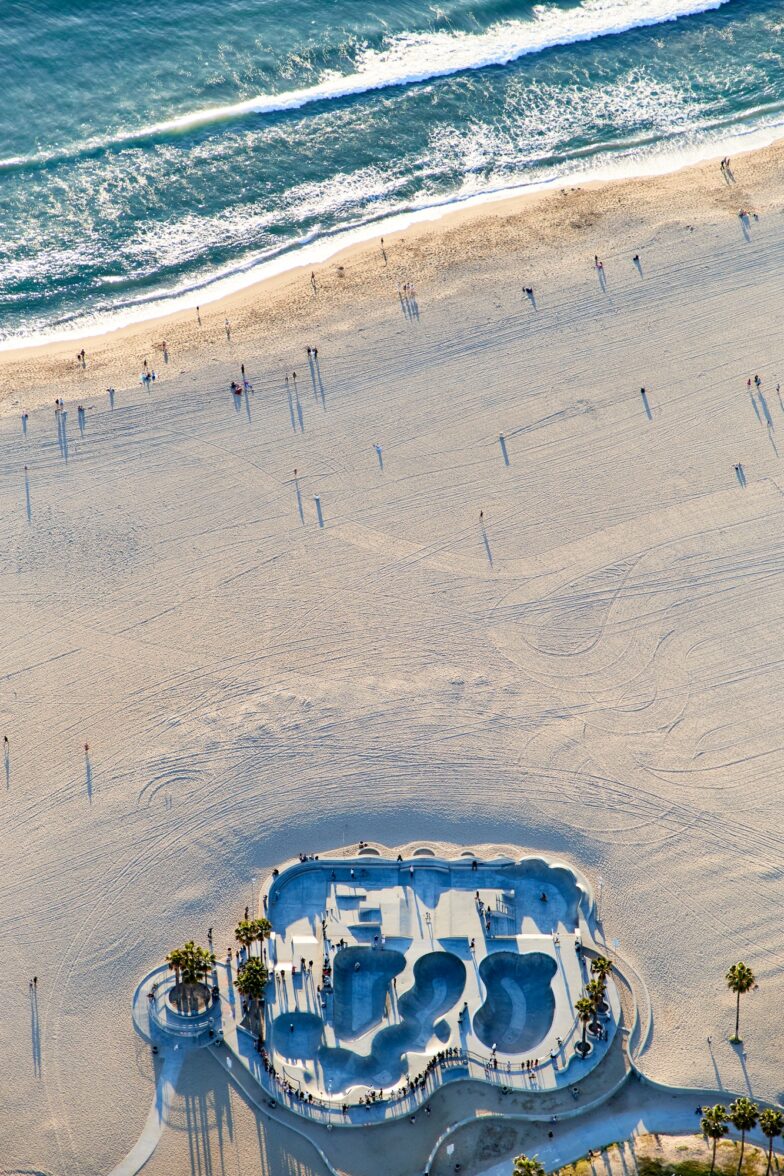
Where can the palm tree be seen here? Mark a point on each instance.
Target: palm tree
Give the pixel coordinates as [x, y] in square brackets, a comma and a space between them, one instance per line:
[740, 979]
[585, 1010]
[714, 1126]
[601, 968]
[594, 990]
[195, 966]
[262, 929]
[174, 959]
[771, 1125]
[743, 1115]
[528, 1166]
[245, 933]
[251, 981]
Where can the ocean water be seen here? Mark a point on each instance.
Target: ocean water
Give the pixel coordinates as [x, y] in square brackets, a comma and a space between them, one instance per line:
[160, 152]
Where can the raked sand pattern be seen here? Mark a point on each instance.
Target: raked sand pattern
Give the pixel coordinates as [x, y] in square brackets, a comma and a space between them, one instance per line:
[594, 670]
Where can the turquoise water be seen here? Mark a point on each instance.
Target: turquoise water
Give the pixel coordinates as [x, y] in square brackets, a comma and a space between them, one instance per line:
[148, 149]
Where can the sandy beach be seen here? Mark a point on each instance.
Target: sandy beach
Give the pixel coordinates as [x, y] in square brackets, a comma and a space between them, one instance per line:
[591, 670]
[540, 236]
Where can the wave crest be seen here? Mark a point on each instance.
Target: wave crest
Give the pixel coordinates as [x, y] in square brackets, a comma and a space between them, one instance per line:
[411, 58]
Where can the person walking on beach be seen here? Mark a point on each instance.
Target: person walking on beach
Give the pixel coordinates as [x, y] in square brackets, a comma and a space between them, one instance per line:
[227, 327]
[313, 280]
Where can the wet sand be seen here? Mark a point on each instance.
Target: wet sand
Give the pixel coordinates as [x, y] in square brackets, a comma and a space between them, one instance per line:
[525, 240]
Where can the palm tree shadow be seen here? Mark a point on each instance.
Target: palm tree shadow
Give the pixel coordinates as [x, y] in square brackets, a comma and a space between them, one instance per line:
[719, 1083]
[740, 1053]
[202, 1107]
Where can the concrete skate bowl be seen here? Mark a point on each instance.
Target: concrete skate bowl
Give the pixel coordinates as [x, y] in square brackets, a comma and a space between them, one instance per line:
[439, 980]
[519, 1006]
[362, 978]
[297, 1035]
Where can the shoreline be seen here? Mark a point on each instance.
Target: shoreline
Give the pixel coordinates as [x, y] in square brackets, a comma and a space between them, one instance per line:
[416, 248]
[223, 286]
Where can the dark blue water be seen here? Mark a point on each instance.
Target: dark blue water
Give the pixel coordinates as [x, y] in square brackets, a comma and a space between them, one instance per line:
[147, 149]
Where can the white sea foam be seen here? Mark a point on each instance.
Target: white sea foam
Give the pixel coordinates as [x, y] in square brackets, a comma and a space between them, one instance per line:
[418, 57]
[314, 249]
[409, 58]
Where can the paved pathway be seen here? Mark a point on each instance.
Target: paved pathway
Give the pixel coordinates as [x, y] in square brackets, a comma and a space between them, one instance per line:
[147, 1142]
[637, 1108]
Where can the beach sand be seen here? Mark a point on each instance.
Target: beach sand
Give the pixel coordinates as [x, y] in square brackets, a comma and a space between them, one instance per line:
[526, 239]
[595, 671]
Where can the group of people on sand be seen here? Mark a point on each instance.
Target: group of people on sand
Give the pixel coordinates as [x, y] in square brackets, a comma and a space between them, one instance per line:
[148, 375]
